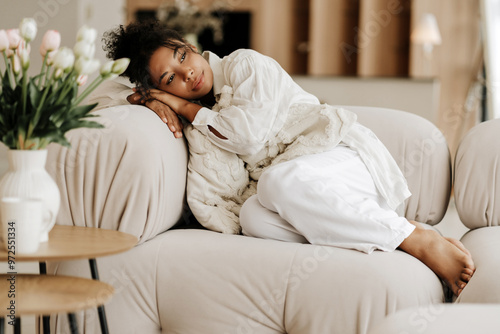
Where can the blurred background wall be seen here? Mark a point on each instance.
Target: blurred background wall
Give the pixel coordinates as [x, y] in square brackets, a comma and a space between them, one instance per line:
[360, 50]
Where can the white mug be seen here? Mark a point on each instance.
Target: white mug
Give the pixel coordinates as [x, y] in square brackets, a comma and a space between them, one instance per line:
[21, 221]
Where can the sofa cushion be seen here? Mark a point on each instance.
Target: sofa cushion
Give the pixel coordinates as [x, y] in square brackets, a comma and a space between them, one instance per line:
[129, 176]
[199, 281]
[485, 249]
[476, 180]
[441, 318]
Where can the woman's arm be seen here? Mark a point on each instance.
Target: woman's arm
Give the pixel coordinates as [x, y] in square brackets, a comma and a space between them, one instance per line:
[167, 115]
[178, 105]
[167, 107]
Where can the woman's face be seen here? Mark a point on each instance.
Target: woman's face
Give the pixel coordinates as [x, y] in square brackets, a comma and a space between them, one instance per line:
[181, 72]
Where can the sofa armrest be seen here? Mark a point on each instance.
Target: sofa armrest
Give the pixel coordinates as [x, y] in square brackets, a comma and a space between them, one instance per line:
[422, 154]
[476, 180]
[129, 176]
[477, 198]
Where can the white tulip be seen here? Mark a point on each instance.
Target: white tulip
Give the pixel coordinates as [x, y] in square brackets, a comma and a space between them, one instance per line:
[84, 49]
[24, 57]
[50, 57]
[58, 73]
[84, 66]
[64, 59]
[86, 34]
[4, 41]
[110, 76]
[120, 65]
[106, 68]
[27, 29]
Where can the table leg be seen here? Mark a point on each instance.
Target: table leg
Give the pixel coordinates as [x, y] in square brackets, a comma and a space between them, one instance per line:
[43, 267]
[45, 319]
[73, 325]
[2, 325]
[100, 309]
[17, 326]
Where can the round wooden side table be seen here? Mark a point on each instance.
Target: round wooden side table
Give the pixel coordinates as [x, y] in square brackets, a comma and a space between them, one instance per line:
[29, 294]
[72, 243]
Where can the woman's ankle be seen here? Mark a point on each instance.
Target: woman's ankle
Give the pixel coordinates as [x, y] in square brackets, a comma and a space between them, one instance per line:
[417, 243]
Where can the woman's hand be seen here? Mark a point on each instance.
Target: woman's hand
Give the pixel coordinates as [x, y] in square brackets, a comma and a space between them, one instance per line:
[180, 106]
[166, 114]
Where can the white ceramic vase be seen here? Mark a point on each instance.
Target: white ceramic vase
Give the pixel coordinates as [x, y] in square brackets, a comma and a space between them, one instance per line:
[27, 178]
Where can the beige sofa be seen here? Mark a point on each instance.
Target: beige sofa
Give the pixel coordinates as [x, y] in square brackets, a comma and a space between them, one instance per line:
[131, 177]
[477, 199]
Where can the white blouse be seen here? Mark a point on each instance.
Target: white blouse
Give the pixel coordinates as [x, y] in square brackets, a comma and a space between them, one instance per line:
[262, 96]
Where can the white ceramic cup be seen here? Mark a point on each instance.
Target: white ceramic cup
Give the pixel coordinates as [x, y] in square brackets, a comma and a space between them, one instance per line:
[21, 221]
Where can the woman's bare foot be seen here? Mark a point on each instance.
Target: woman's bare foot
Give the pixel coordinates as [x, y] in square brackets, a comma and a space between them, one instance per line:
[447, 257]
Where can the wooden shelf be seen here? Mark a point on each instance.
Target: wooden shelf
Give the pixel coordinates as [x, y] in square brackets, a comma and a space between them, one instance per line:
[45, 294]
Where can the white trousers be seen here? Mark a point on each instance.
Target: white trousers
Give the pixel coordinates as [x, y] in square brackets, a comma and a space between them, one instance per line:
[323, 199]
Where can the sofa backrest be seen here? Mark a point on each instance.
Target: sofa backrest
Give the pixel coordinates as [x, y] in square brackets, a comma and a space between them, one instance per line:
[477, 176]
[422, 153]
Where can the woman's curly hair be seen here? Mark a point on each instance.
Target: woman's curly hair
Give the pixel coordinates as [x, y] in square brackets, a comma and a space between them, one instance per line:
[138, 41]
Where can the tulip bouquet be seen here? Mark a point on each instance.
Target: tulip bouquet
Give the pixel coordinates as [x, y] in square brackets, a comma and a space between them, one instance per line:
[36, 111]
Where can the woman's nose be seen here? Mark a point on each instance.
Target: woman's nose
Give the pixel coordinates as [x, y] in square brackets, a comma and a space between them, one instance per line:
[188, 74]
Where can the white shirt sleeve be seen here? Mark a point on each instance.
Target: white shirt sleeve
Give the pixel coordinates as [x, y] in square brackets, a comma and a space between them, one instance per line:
[259, 84]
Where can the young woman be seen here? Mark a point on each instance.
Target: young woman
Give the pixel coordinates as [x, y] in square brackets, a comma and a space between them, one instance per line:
[322, 177]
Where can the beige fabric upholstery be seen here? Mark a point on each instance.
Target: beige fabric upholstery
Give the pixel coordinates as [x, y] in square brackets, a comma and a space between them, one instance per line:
[131, 176]
[485, 249]
[477, 181]
[477, 197]
[440, 319]
[198, 281]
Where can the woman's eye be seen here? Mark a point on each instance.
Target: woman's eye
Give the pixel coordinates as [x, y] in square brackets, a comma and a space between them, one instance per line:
[183, 57]
[170, 78]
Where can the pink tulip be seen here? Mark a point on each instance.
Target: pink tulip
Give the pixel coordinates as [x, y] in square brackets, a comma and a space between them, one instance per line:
[50, 42]
[82, 79]
[23, 46]
[4, 40]
[14, 38]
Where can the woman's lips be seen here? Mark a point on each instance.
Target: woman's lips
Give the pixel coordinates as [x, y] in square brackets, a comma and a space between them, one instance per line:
[199, 83]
